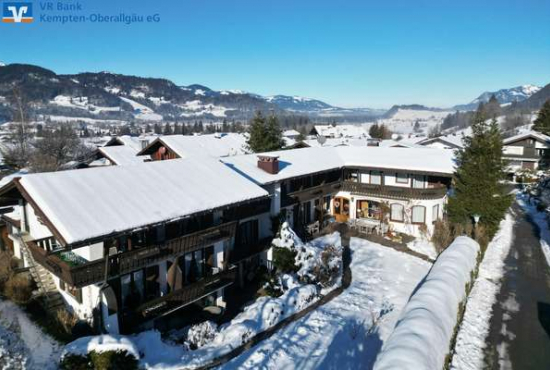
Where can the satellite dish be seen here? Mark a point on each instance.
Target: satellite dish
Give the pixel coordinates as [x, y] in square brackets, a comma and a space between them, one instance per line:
[321, 139]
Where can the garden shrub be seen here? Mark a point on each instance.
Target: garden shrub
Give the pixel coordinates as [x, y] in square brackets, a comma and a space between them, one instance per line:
[107, 360]
[75, 362]
[201, 334]
[18, 288]
[442, 235]
[113, 360]
[66, 319]
[284, 260]
[326, 272]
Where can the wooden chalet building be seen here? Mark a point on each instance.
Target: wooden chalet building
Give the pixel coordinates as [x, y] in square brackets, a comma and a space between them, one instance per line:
[525, 151]
[310, 185]
[126, 246]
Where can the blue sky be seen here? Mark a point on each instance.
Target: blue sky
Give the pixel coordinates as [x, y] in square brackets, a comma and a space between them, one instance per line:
[347, 53]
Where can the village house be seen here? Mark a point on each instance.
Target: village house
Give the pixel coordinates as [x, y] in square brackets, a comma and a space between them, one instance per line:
[133, 247]
[525, 151]
[126, 246]
[312, 186]
[180, 146]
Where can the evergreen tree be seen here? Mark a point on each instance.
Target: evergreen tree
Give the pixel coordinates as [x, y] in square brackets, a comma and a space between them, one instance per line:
[265, 134]
[478, 188]
[542, 123]
[167, 129]
[492, 108]
[157, 129]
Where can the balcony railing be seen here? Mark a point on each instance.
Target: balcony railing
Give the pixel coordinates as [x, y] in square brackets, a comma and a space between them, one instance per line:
[242, 252]
[94, 271]
[394, 192]
[187, 294]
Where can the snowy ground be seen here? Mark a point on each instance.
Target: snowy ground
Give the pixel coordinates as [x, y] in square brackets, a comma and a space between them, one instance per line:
[23, 345]
[470, 343]
[339, 334]
[423, 246]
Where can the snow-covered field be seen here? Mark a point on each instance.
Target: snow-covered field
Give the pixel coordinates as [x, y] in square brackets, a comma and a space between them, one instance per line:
[423, 246]
[23, 345]
[402, 122]
[470, 342]
[340, 334]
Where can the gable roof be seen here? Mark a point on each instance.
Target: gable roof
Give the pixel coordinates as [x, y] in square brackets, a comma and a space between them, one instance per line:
[454, 141]
[212, 145]
[529, 134]
[121, 155]
[86, 204]
[301, 162]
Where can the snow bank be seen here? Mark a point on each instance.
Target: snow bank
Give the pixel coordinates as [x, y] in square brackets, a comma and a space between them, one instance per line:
[422, 335]
[470, 342]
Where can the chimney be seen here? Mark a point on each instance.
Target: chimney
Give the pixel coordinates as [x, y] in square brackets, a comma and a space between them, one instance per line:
[269, 163]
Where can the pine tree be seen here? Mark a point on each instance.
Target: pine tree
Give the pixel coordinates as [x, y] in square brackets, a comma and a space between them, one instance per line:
[478, 188]
[265, 134]
[167, 129]
[492, 108]
[542, 123]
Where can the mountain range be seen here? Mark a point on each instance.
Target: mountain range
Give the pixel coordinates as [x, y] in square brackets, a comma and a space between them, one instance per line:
[111, 97]
[504, 96]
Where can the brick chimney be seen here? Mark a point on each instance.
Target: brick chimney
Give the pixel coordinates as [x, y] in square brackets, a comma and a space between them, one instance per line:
[269, 163]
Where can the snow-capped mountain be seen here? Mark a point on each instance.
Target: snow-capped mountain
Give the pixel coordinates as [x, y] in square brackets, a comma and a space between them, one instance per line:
[2, 64]
[504, 96]
[112, 98]
[297, 103]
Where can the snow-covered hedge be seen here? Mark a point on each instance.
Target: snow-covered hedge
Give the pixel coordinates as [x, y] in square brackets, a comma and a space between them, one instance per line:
[422, 336]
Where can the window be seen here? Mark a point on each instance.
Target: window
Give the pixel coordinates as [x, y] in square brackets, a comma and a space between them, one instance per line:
[368, 209]
[376, 177]
[418, 182]
[435, 213]
[418, 214]
[401, 178]
[396, 213]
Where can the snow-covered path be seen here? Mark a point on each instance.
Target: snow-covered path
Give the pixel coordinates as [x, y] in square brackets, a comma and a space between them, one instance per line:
[22, 343]
[337, 335]
[470, 342]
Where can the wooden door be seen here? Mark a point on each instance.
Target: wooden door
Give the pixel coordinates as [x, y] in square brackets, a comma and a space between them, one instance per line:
[340, 209]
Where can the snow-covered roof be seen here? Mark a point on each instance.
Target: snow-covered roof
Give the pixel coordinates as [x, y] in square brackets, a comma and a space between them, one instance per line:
[342, 131]
[300, 162]
[212, 145]
[287, 133]
[529, 134]
[122, 155]
[135, 142]
[341, 141]
[450, 140]
[84, 204]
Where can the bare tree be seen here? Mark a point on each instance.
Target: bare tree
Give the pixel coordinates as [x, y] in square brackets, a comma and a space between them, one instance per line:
[18, 151]
[57, 147]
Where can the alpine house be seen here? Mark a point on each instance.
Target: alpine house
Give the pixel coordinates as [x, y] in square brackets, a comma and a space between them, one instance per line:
[128, 247]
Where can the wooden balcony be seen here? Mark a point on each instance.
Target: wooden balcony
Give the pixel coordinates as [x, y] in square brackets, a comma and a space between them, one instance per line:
[95, 271]
[188, 294]
[394, 192]
[316, 192]
[242, 252]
